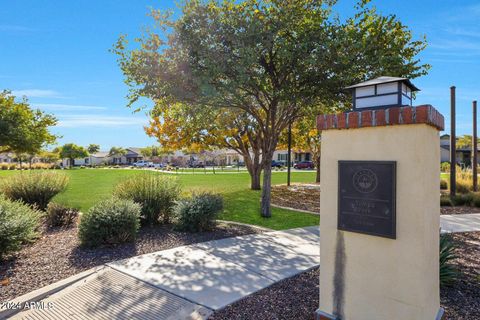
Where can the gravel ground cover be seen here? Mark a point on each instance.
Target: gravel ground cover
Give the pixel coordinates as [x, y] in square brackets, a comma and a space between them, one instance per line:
[57, 255]
[459, 210]
[297, 297]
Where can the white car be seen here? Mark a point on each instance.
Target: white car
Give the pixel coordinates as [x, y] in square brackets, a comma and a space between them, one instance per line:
[143, 164]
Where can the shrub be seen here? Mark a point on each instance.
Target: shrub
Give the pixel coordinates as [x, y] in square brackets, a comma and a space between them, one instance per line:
[445, 201]
[34, 188]
[4, 166]
[198, 213]
[18, 225]
[110, 221]
[60, 216]
[445, 166]
[12, 167]
[155, 193]
[464, 181]
[448, 271]
[443, 185]
[463, 186]
[463, 199]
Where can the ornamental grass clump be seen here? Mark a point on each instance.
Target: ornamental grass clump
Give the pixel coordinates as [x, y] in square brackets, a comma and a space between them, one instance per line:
[34, 188]
[58, 215]
[198, 213]
[18, 225]
[111, 221]
[156, 194]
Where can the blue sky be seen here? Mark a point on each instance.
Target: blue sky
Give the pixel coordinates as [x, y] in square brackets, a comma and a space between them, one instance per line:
[56, 53]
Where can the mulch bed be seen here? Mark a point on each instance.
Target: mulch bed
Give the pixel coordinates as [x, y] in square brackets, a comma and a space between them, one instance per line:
[57, 254]
[297, 297]
[293, 298]
[297, 196]
[459, 210]
[461, 301]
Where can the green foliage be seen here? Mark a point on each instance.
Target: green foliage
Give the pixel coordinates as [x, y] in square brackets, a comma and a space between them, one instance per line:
[464, 180]
[443, 184]
[34, 188]
[22, 129]
[261, 64]
[58, 215]
[465, 199]
[155, 193]
[71, 151]
[445, 201]
[445, 166]
[448, 271]
[18, 225]
[111, 221]
[117, 151]
[464, 141]
[198, 213]
[93, 148]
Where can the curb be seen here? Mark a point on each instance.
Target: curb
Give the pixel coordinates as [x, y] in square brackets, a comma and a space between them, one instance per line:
[247, 225]
[293, 209]
[40, 294]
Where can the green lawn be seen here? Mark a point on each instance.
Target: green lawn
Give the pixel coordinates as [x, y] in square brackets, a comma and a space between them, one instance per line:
[88, 186]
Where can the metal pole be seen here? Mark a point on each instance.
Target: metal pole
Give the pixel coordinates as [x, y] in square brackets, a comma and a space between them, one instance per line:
[474, 147]
[453, 144]
[289, 152]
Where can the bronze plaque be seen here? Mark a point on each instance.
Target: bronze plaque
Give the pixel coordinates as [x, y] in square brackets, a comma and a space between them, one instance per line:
[366, 197]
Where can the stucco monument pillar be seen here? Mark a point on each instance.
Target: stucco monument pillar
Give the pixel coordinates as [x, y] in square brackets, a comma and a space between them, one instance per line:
[379, 214]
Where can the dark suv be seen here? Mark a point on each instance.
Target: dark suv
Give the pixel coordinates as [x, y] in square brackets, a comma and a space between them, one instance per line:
[304, 165]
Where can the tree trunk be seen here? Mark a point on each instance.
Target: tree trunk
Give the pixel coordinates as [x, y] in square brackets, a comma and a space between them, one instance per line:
[265, 210]
[255, 179]
[255, 170]
[317, 164]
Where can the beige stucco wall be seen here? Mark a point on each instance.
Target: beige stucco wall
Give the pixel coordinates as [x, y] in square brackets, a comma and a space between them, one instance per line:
[383, 278]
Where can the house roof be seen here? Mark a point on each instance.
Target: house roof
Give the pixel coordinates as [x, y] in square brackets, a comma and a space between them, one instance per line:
[100, 154]
[135, 150]
[384, 79]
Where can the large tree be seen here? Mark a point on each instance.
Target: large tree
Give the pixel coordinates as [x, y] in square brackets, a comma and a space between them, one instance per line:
[72, 151]
[192, 129]
[23, 130]
[271, 61]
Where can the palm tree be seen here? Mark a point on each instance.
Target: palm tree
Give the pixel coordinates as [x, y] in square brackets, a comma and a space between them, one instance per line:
[92, 148]
[117, 151]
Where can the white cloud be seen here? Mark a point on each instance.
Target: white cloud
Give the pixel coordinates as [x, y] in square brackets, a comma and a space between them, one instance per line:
[95, 120]
[65, 107]
[36, 93]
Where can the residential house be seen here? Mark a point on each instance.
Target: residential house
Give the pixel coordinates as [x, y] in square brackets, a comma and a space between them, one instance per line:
[463, 155]
[7, 157]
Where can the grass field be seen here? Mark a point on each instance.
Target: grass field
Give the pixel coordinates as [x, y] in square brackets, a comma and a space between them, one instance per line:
[88, 186]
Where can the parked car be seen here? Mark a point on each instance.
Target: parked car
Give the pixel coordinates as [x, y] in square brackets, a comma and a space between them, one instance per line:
[159, 165]
[276, 164]
[196, 165]
[142, 164]
[304, 165]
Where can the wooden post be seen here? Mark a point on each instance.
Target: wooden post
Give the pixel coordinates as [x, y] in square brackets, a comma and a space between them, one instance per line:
[289, 152]
[474, 147]
[453, 144]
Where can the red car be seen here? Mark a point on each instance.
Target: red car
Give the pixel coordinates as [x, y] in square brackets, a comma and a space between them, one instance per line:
[304, 165]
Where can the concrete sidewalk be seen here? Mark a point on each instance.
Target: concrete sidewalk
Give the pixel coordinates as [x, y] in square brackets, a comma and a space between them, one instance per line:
[188, 282]
[460, 222]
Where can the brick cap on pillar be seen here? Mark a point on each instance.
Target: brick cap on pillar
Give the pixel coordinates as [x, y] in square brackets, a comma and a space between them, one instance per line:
[424, 114]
